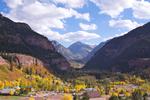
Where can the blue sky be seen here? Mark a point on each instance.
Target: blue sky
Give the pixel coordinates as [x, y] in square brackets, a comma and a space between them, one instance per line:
[88, 21]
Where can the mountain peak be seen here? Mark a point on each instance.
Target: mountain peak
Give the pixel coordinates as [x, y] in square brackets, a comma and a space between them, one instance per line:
[78, 43]
[80, 49]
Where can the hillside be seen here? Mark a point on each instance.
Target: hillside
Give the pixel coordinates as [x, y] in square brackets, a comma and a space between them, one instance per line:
[20, 38]
[126, 53]
[14, 66]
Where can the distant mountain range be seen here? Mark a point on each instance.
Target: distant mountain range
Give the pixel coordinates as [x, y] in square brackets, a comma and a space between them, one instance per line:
[80, 49]
[77, 51]
[125, 53]
[20, 38]
[74, 53]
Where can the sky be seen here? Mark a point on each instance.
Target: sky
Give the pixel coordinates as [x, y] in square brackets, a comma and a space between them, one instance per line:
[88, 21]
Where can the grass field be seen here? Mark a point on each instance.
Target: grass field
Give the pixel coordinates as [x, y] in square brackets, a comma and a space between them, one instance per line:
[11, 98]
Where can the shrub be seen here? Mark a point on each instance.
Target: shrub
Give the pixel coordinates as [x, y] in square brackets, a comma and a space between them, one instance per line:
[67, 97]
[11, 92]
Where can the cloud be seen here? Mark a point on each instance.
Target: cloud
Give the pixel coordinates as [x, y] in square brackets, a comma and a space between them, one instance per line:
[114, 8]
[44, 10]
[13, 3]
[126, 24]
[80, 36]
[87, 26]
[85, 16]
[71, 3]
[141, 10]
[71, 36]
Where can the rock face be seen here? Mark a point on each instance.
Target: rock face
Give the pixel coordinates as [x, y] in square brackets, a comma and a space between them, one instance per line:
[26, 60]
[3, 61]
[20, 38]
[123, 53]
[20, 60]
[80, 49]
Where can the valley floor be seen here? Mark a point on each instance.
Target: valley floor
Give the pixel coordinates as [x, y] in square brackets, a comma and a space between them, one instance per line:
[44, 97]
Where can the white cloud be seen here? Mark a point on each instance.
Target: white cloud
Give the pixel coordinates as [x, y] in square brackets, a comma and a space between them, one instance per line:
[80, 36]
[141, 10]
[87, 26]
[126, 24]
[85, 16]
[71, 36]
[13, 3]
[113, 7]
[71, 3]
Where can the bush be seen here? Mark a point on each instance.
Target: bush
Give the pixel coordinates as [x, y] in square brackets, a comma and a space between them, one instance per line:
[67, 97]
[11, 92]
